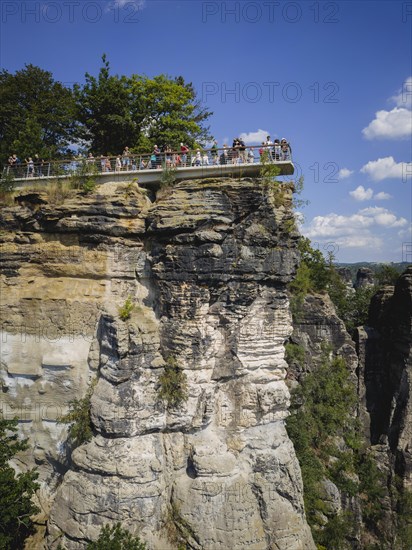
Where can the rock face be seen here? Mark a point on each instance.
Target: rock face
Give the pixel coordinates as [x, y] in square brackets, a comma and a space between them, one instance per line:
[206, 267]
[364, 277]
[318, 325]
[386, 347]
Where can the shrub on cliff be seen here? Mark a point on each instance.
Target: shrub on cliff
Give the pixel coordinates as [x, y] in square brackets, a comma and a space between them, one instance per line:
[173, 384]
[16, 491]
[126, 310]
[116, 538]
[78, 418]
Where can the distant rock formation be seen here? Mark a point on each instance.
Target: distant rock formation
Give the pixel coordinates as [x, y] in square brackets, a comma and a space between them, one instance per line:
[364, 277]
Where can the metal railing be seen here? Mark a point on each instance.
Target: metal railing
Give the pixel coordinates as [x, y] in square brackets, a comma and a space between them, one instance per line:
[157, 160]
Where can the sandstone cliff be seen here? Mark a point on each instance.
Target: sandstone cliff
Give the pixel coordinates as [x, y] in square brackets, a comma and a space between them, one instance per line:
[206, 265]
[384, 347]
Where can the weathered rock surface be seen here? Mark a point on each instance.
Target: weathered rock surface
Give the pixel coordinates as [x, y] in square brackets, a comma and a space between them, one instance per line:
[386, 347]
[206, 266]
[364, 277]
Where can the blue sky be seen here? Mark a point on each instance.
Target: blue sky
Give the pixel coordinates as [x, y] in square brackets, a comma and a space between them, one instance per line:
[334, 78]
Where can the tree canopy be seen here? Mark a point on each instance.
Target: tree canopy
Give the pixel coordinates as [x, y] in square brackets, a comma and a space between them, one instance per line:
[16, 491]
[39, 115]
[138, 112]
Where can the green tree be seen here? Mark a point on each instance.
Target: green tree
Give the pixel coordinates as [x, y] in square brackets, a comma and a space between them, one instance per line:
[103, 109]
[37, 115]
[16, 491]
[116, 538]
[138, 112]
[386, 275]
[168, 112]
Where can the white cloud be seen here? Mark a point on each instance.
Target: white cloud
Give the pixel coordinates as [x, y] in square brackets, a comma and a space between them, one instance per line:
[370, 234]
[344, 173]
[354, 228]
[362, 194]
[387, 168]
[382, 196]
[393, 124]
[406, 234]
[361, 241]
[254, 137]
[382, 216]
[404, 95]
[397, 123]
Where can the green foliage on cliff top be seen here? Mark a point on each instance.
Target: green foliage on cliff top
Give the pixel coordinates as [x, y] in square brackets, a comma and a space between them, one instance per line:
[39, 115]
[116, 538]
[16, 490]
[138, 112]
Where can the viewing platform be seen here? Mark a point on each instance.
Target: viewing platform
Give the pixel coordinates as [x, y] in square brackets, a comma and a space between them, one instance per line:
[149, 169]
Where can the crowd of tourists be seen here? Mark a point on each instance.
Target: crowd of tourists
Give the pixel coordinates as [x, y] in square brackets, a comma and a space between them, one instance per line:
[237, 153]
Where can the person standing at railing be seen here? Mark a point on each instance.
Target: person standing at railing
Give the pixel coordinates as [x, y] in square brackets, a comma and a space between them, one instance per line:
[126, 159]
[184, 150]
[277, 150]
[158, 156]
[286, 149]
[250, 156]
[242, 150]
[168, 155]
[90, 159]
[30, 167]
[118, 165]
[235, 151]
[38, 163]
[205, 159]
[263, 152]
[176, 160]
[197, 159]
[103, 163]
[12, 162]
[214, 153]
[224, 157]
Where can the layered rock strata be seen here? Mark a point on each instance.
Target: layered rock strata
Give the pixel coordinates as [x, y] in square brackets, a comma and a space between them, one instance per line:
[206, 267]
